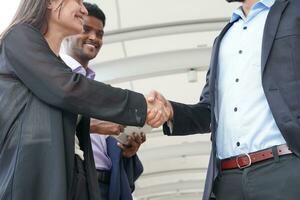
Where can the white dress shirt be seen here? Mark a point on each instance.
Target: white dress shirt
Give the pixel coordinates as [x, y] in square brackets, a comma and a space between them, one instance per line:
[245, 121]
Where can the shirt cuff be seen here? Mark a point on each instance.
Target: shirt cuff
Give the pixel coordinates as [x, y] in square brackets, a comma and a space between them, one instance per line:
[170, 126]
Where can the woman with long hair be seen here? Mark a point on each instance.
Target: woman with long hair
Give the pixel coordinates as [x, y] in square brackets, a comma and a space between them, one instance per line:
[40, 100]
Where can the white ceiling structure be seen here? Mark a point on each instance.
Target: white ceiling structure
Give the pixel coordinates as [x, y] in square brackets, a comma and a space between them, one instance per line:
[153, 44]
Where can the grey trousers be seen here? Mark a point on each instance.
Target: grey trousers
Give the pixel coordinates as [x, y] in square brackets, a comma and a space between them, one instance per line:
[274, 179]
[104, 190]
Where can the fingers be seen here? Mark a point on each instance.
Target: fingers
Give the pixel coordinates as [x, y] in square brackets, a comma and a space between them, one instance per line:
[152, 112]
[134, 142]
[143, 136]
[121, 128]
[132, 147]
[158, 120]
[105, 127]
[137, 138]
[157, 114]
[163, 109]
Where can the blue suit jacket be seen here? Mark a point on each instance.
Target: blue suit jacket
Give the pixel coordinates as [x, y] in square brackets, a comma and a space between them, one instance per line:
[280, 63]
[124, 172]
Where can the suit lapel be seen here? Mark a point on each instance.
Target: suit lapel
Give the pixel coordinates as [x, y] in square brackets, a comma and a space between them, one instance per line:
[213, 85]
[214, 63]
[270, 30]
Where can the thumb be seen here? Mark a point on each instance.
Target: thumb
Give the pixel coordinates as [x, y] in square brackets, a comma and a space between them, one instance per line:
[152, 96]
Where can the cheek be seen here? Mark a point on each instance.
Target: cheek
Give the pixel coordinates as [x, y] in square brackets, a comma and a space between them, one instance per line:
[79, 42]
[100, 43]
[54, 17]
[67, 14]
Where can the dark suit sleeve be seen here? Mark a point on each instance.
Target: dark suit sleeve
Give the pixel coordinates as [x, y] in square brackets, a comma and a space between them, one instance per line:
[191, 119]
[28, 55]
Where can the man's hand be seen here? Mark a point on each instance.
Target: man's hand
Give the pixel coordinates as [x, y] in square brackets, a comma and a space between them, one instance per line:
[134, 142]
[105, 127]
[160, 110]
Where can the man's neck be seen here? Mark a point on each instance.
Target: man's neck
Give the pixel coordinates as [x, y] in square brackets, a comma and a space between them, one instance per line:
[247, 5]
[84, 63]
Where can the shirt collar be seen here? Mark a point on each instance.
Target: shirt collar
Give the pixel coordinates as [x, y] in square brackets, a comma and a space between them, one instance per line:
[77, 67]
[90, 73]
[238, 13]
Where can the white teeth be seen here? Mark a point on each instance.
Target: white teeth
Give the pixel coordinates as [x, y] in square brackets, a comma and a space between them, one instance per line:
[90, 45]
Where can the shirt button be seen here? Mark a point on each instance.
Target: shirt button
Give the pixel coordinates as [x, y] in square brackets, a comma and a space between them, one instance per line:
[245, 27]
[240, 51]
[237, 80]
[238, 144]
[235, 109]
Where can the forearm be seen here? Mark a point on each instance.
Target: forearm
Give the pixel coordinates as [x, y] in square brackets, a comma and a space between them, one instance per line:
[189, 119]
[53, 82]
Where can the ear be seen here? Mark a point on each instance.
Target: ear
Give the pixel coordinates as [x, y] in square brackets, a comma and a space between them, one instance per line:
[54, 4]
[50, 5]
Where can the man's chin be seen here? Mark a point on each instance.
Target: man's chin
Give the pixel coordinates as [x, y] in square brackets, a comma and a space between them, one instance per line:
[90, 55]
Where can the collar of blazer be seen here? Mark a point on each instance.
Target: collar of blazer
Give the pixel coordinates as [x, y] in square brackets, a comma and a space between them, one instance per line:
[270, 30]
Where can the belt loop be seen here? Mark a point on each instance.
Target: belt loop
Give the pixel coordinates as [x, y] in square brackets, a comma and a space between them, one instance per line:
[275, 153]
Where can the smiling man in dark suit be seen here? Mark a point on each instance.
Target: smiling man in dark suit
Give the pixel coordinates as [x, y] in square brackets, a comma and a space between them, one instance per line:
[251, 105]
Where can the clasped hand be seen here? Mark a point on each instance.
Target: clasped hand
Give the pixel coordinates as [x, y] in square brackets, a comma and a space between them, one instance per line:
[159, 109]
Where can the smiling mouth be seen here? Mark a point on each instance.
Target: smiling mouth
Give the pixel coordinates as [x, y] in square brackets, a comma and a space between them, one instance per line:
[92, 45]
[80, 19]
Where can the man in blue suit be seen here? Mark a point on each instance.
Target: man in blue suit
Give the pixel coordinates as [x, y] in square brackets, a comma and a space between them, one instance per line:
[251, 105]
[118, 166]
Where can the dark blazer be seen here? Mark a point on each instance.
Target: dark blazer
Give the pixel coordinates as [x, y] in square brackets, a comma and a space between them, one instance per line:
[280, 64]
[124, 172]
[40, 98]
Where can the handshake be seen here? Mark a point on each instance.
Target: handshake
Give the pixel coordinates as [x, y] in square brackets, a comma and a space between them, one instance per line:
[159, 111]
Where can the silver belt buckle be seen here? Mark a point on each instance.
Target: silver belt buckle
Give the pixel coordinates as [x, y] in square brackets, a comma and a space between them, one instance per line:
[241, 155]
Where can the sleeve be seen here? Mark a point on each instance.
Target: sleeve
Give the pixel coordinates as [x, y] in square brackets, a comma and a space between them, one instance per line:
[191, 119]
[39, 69]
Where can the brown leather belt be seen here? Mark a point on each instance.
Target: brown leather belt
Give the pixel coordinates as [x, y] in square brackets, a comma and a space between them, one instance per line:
[246, 160]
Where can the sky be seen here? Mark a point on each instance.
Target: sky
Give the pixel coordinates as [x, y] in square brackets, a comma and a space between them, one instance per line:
[7, 11]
